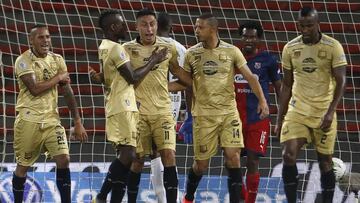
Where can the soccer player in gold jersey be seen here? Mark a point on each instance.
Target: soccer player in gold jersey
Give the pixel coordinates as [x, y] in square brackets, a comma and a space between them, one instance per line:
[121, 110]
[314, 66]
[212, 63]
[37, 126]
[156, 125]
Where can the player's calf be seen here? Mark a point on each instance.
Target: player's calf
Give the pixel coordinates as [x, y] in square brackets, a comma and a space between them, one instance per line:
[18, 188]
[290, 178]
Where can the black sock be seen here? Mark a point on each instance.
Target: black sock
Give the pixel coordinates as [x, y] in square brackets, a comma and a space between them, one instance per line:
[171, 183]
[193, 181]
[328, 186]
[63, 182]
[106, 186]
[290, 178]
[118, 175]
[18, 188]
[234, 184]
[133, 186]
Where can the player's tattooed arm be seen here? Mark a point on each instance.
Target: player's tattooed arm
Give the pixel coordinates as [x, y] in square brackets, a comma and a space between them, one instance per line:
[36, 88]
[79, 130]
[135, 76]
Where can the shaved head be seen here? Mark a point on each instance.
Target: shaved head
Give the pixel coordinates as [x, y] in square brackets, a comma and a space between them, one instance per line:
[308, 12]
[34, 29]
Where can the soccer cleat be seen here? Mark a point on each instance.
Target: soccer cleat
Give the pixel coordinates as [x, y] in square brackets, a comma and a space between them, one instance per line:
[184, 200]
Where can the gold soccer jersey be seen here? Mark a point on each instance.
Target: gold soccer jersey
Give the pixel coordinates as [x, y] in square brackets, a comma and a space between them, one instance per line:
[312, 65]
[122, 96]
[213, 75]
[41, 108]
[152, 93]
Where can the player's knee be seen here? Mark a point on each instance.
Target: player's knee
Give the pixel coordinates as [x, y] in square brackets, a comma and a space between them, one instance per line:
[325, 164]
[289, 158]
[252, 165]
[168, 157]
[21, 171]
[126, 155]
[137, 165]
[232, 160]
[200, 167]
[62, 161]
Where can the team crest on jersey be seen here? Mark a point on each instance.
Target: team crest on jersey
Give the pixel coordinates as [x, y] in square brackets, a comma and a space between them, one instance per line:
[135, 53]
[257, 65]
[222, 57]
[322, 54]
[53, 65]
[46, 74]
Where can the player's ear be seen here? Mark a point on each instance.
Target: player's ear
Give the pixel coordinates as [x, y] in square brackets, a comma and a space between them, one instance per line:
[113, 27]
[31, 39]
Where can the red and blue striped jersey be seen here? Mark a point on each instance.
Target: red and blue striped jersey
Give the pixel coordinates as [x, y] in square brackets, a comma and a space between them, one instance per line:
[264, 65]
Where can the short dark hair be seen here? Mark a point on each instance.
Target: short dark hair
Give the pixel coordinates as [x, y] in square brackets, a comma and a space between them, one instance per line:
[212, 21]
[252, 24]
[145, 12]
[206, 16]
[38, 26]
[104, 15]
[306, 11]
[164, 21]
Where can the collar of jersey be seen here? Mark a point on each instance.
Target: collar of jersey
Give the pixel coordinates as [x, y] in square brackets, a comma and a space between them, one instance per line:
[139, 41]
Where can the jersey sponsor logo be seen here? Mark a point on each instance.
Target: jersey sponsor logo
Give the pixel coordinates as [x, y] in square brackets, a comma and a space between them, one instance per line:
[166, 125]
[210, 68]
[309, 69]
[309, 65]
[239, 78]
[235, 123]
[244, 90]
[309, 61]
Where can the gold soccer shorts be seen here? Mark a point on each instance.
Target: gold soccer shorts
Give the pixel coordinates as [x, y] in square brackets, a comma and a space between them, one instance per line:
[208, 131]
